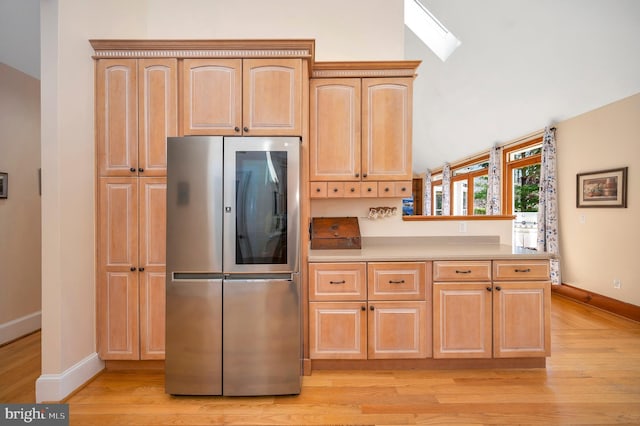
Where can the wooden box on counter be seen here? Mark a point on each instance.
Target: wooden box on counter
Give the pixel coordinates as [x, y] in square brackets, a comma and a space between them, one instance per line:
[335, 233]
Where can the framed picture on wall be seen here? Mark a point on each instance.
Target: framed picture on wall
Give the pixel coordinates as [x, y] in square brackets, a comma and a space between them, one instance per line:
[4, 185]
[604, 188]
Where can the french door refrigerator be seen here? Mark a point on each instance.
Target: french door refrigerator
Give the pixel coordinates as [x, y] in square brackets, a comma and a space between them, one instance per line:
[233, 296]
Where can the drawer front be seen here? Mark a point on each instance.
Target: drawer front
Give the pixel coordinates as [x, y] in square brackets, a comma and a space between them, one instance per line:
[335, 189]
[368, 189]
[521, 270]
[318, 189]
[337, 281]
[403, 188]
[396, 280]
[462, 270]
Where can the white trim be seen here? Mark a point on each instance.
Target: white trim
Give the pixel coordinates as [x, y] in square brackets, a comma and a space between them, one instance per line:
[55, 387]
[20, 327]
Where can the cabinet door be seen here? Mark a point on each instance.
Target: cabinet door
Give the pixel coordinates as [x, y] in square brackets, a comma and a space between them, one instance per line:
[158, 102]
[152, 314]
[521, 319]
[462, 320]
[117, 289]
[153, 223]
[398, 330]
[212, 96]
[272, 97]
[335, 129]
[337, 330]
[116, 117]
[386, 128]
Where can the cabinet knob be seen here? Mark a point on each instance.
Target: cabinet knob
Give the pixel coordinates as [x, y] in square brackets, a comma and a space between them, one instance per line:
[386, 190]
[132, 269]
[317, 189]
[364, 175]
[353, 190]
[357, 174]
[372, 308]
[140, 169]
[498, 288]
[403, 189]
[236, 129]
[488, 288]
[141, 269]
[368, 189]
[335, 189]
[246, 129]
[362, 308]
[133, 169]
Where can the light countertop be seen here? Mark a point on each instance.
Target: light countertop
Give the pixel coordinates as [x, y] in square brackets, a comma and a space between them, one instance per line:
[426, 248]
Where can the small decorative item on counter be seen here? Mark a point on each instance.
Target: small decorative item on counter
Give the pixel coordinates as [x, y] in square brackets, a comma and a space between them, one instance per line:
[382, 212]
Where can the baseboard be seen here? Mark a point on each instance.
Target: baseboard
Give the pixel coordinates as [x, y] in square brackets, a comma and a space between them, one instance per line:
[19, 327]
[596, 300]
[56, 387]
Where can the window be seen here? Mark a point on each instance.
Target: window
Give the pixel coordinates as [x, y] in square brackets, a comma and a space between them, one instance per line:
[521, 188]
[436, 195]
[469, 183]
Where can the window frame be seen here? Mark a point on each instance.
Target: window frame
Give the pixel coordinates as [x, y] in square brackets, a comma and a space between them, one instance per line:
[509, 165]
[469, 177]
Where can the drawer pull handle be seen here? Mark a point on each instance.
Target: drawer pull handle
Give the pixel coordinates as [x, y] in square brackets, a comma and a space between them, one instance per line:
[337, 282]
[396, 281]
[468, 271]
[523, 270]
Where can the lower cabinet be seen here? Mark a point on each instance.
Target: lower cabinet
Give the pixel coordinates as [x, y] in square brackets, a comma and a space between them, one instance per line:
[488, 318]
[131, 268]
[380, 312]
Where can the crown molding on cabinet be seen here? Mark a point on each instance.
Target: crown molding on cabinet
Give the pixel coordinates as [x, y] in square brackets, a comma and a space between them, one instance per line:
[365, 69]
[268, 48]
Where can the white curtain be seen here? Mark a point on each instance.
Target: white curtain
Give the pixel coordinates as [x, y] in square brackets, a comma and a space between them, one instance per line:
[426, 207]
[493, 189]
[548, 207]
[446, 189]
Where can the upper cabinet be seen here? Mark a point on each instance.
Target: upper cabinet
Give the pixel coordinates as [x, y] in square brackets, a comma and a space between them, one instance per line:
[360, 129]
[242, 97]
[136, 109]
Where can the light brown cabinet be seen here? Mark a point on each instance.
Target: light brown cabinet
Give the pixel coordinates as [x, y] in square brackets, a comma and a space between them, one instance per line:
[380, 312]
[360, 134]
[251, 97]
[136, 104]
[131, 265]
[476, 317]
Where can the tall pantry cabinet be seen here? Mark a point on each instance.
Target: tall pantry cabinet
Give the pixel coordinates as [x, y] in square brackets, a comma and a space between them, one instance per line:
[136, 109]
[146, 91]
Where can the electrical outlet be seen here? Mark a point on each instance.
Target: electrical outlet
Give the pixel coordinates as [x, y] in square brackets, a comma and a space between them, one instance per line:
[617, 283]
[462, 227]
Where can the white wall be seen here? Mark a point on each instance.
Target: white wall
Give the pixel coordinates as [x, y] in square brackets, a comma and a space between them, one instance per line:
[20, 237]
[354, 30]
[605, 246]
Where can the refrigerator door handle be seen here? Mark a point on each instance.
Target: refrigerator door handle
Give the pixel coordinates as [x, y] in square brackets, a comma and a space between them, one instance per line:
[259, 277]
[191, 276]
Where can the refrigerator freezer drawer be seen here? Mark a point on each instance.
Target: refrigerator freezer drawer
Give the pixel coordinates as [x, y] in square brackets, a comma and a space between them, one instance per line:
[261, 337]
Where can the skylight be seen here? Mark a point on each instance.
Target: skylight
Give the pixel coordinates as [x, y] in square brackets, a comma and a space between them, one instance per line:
[429, 29]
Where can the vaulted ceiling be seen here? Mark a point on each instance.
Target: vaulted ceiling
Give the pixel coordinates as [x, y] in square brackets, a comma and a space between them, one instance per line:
[522, 65]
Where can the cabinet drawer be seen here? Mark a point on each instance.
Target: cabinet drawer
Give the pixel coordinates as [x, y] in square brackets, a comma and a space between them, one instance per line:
[352, 189]
[520, 270]
[396, 280]
[462, 270]
[318, 189]
[337, 281]
[335, 189]
[403, 188]
[369, 189]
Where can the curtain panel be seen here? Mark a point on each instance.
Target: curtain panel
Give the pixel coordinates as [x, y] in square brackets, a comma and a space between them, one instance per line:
[548, 207]
[426, 207]
[493, 189]
[446, 189]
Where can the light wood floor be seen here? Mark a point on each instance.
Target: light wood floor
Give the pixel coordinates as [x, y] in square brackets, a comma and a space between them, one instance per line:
[592, 377]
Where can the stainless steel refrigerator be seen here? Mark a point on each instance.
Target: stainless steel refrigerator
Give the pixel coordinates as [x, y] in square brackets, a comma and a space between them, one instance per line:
[233, 292]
